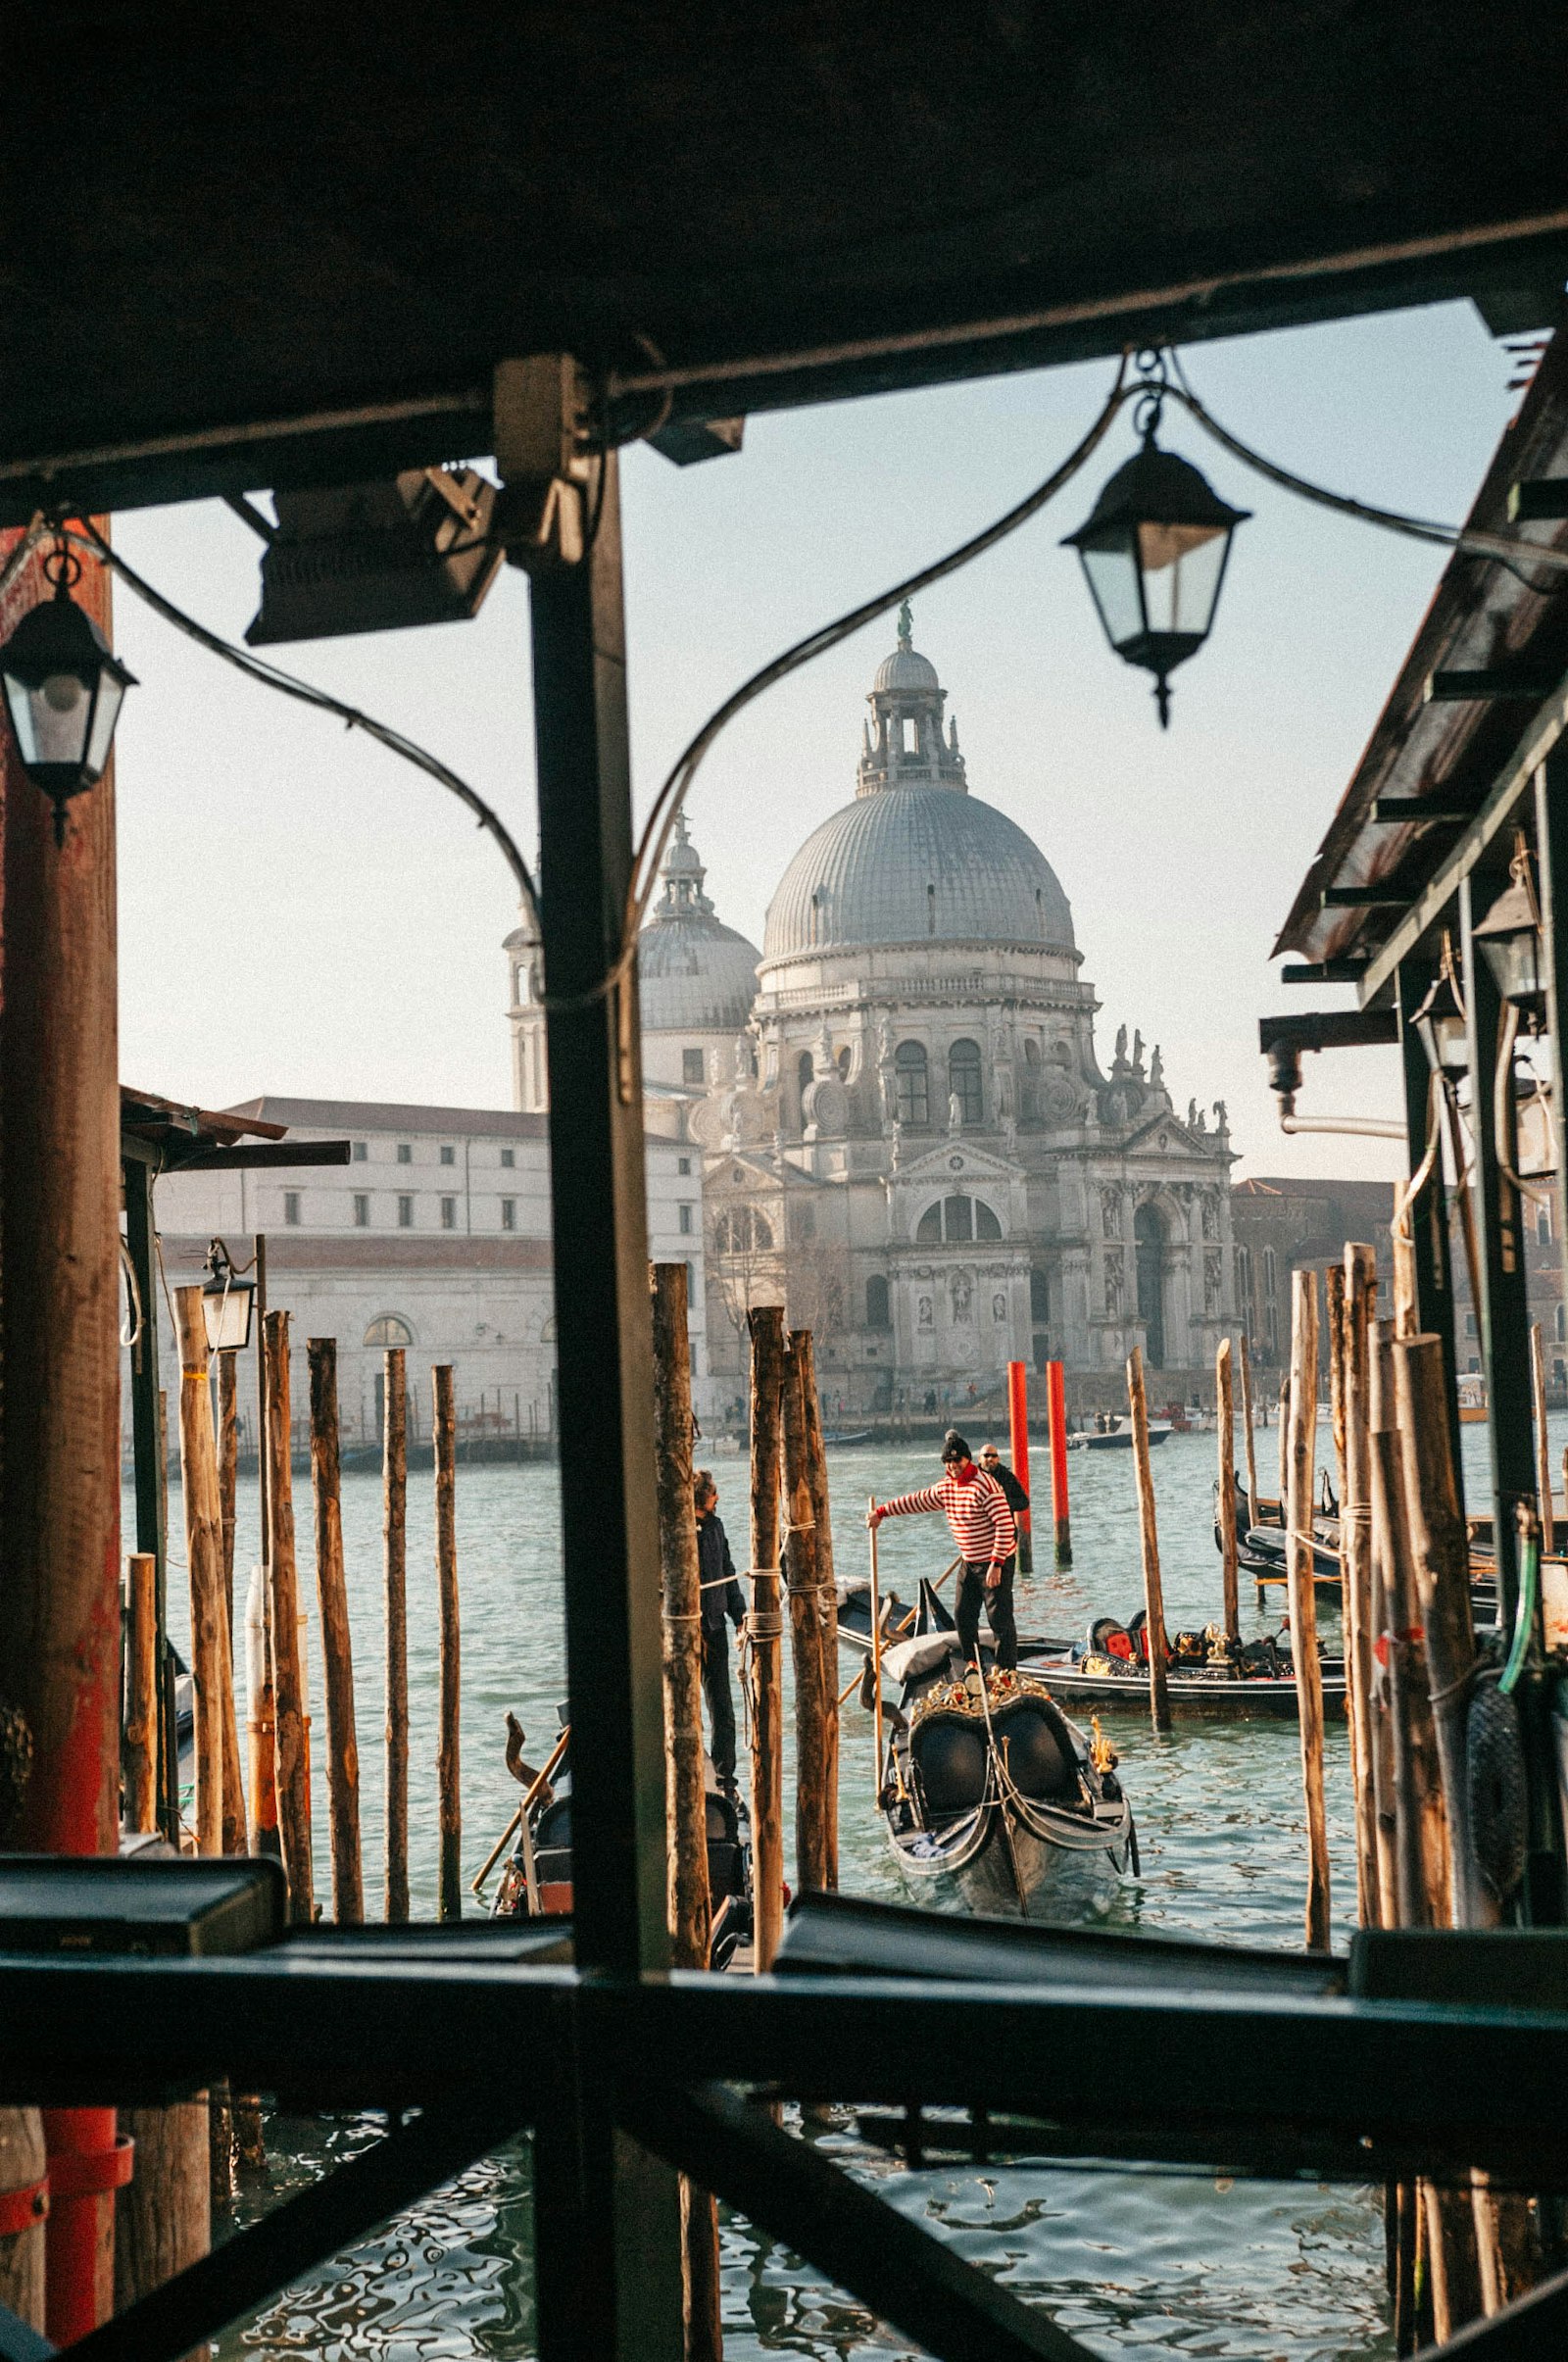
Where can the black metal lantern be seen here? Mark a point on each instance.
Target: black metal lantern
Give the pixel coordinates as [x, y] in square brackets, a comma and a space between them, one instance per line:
[1155, 553]
[1510, 937]
[63, 688]
[227, 1303]
[1441, 1025]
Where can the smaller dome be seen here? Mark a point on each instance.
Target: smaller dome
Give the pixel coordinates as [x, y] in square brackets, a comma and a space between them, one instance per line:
[695, 974]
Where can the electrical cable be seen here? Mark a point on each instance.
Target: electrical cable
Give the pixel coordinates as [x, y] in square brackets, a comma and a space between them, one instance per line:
[1500, 545]
[271, 676]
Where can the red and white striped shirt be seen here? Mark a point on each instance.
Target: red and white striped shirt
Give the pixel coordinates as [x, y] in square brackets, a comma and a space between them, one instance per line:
[977, 1513]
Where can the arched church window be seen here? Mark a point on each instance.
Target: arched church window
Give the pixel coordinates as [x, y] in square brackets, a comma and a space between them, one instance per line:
[963, 1081]
[958, 1220]
[878, 1313]
[928, 1232]
[985, 1225]
[1148, 1248]
[804, 1070]
[1039, 1298]
[909, 1074]
[390, 1328]
[742, 1231]
[844, 1064]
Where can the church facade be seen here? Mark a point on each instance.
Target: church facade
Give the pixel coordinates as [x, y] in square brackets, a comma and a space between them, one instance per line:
[905, 1129]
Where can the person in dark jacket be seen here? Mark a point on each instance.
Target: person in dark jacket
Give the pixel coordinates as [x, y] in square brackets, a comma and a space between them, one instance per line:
[722, 1597]
[992, 1462]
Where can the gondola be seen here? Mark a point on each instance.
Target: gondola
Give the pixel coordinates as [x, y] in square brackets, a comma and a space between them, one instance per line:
[1206, 1676]
[987, 1785]
[536, 1879]
[899, 1622]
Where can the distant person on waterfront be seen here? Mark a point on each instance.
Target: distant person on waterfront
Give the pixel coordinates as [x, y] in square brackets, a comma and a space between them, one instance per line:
[722, 1597]
[980, 1522]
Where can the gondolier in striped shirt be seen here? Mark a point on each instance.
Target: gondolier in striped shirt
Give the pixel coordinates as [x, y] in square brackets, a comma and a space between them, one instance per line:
[982, 1528]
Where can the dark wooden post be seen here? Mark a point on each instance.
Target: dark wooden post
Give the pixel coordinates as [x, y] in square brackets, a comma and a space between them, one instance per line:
[141, 1692]
[449, 1743]
[1551, 865]
[805, 1631]
[24, 2184]
[147, 1442]
[765, 1631]
[293, 1798]
[338, 1648]
[1429, 1214]
[1248, 1422]
[588, 2179]
[1298, 1506]
[1149, 1545]
[1503, 1314]
[394, 1566]
[827, 1603]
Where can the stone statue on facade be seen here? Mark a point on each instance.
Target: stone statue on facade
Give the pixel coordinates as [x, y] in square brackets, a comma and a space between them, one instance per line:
[1211, 1218]
[1221, 1119]
[1192, 1115]
[1138, 1055]
[954, 1112]
[1113, 1280]
[1156, 1071]
[1110, 1212]
[1120, 1059]
[962, 1296]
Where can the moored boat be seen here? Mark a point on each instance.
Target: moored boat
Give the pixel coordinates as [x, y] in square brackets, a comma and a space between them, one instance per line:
[1206, 1676]
[1117, 1435]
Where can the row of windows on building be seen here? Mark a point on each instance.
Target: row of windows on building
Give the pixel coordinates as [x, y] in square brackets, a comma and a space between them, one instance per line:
[294, 1214]
[359, 1153]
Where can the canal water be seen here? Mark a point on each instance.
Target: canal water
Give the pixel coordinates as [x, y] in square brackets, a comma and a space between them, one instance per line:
[1152, 2261]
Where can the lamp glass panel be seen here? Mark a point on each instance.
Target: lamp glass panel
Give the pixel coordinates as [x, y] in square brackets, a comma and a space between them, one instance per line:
[50, 718]
[227, 1314]
[1112, 573]
[105, 715]
[1182, 567]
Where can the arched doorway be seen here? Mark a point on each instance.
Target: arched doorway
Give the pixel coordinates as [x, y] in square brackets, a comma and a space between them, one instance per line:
[1149, 1246]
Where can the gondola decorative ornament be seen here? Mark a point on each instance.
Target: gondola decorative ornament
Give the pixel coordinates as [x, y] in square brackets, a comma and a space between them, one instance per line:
[1155, 549]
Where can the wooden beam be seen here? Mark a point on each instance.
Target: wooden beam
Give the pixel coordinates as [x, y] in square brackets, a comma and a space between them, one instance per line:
[1348, 971]
[1486, 684]
[1388, 897]
[1390, 811]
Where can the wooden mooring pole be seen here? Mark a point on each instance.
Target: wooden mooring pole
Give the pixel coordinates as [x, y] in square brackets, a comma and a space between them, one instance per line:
[827, 1605]
[261, 1707]
[141, 1692]
[690, 1901]
[338, 1648]
[1300, 1434]
[1537, 1387]
[228, 1478]
[204, 1554]
[1149, 1546]
[812, 1684]
[293, 1799]
[1057, 1425]
[449, 1747]
[765, 1631]
[1019, 1454]
[1249, 1429]
[25, 2203]
[1355, 1518]
[1225, 1429]
[394, 1586]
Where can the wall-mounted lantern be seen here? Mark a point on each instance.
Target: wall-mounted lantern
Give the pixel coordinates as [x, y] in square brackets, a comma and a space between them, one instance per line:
[63, 687]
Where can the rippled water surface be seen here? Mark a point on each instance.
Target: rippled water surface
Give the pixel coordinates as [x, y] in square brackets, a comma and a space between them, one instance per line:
[1149, 2261]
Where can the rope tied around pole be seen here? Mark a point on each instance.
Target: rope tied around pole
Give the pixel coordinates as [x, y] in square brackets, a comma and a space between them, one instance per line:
[768, 1625]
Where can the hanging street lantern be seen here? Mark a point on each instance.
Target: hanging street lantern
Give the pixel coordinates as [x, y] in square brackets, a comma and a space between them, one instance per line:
[1155, 552]
[1441, 1025]
[227, 1303]
[1510, 937]
[63, 687]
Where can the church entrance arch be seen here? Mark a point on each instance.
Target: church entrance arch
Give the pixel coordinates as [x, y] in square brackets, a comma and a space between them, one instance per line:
[1149, 1246]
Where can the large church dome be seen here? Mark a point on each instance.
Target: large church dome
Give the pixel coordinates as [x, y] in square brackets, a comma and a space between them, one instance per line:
[916, 856]
[695, 974]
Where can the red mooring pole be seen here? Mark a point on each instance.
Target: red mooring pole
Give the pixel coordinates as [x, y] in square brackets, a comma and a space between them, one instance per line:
[1018, 1452]
[1056, 1416]
[59, 1320]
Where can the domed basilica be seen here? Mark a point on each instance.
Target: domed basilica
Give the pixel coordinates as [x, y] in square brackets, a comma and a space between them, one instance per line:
[904, 1129]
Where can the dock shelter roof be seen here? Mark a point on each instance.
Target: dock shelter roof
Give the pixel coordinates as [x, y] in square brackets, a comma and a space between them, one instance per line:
[290, 246]
[1459, 756]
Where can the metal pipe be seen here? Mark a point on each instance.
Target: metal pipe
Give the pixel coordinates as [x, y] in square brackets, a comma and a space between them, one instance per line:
[1362, 1127]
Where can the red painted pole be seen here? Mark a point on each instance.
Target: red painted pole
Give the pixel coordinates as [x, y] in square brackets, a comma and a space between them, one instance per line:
[58, 1481]
[1018, 1451]
[1056, 1416]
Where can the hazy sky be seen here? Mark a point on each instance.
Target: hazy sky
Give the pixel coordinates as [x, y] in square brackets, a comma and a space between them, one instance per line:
[301, 914]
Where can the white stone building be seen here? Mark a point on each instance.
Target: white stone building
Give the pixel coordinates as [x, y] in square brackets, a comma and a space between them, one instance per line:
[435, 1236]
[908, 1133]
